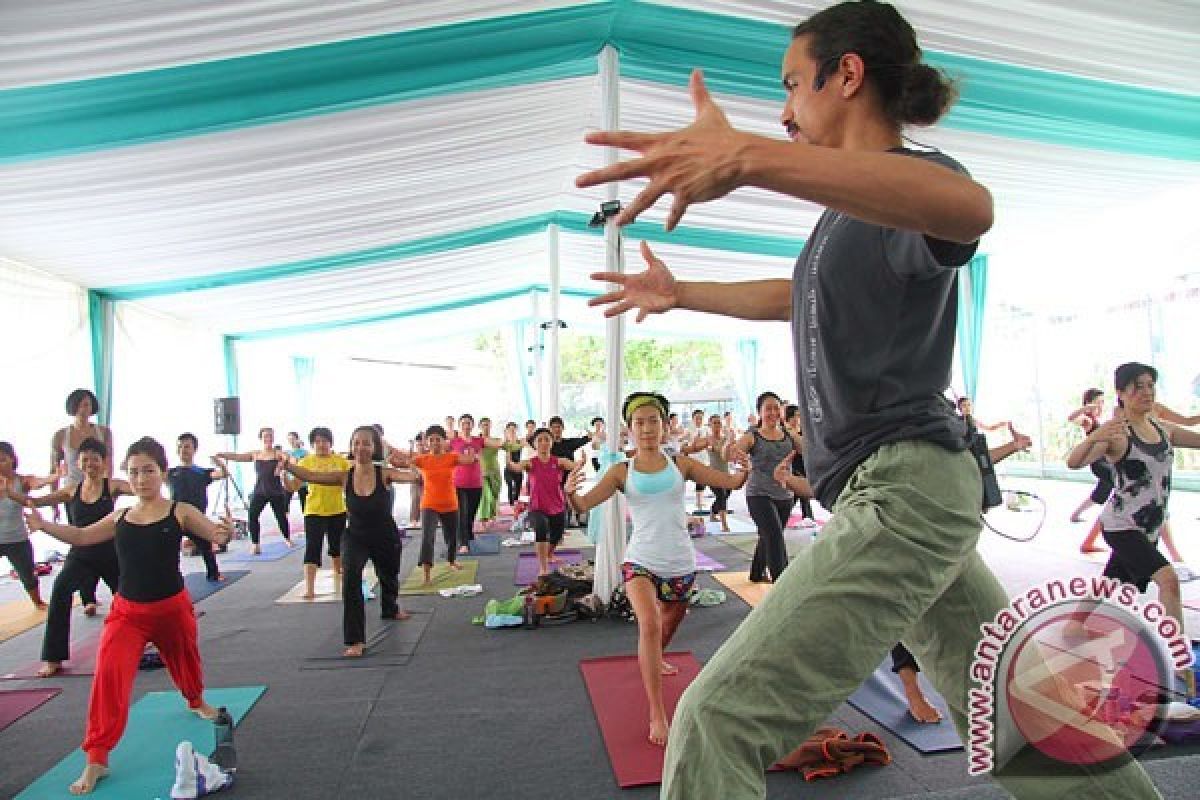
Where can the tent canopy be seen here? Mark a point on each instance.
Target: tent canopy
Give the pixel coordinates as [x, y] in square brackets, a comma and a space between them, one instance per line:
[268, 168]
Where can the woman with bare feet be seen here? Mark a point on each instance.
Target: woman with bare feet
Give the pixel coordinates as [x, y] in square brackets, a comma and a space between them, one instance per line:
[1141, 451]
[151, 604]
[87, 503]
[268, 488]
[14, 534]
[769, 504]
[660, 562]
[547, 507]
[1087, 417]
[713, 442]
[324, 507]
[468, 480]
[371, 532]
[439, 499]
[489, 459]
[513, 477]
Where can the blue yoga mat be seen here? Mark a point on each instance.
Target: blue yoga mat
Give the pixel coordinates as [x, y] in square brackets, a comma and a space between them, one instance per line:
[485, 544]
[881, 697]
[200, 587]
[272, 551]
[143, 765]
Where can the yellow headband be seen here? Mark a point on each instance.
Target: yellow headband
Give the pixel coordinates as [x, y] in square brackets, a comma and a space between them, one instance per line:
[639, 402]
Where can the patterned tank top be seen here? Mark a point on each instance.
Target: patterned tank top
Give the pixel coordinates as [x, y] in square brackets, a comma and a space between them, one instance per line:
[1143, 485]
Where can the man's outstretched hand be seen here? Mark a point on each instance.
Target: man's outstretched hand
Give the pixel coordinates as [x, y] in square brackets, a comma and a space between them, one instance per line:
[650, 292]
[695, 164]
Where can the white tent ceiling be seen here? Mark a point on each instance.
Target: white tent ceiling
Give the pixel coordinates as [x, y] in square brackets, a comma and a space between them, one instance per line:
[311, 205]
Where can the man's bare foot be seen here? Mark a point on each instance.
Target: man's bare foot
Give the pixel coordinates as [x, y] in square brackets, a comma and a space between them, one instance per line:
[354, 650]
[658, 732]
[86, 782]
[455, 565]
[920, 708]
[205, 711]
[89, 610]
[669, 669]
[402, 615]
[49, 669]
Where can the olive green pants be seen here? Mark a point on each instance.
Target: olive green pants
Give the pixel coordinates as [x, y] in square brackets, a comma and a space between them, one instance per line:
[897, 562]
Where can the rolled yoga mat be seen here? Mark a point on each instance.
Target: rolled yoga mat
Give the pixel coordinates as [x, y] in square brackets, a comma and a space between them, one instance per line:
[881, 697]
[527, 565]
[143, 764]
[16, 703]
[614, 684]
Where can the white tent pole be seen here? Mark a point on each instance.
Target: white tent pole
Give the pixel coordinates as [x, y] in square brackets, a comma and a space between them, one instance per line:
[610, 551]
[555, 287]
[535, 350]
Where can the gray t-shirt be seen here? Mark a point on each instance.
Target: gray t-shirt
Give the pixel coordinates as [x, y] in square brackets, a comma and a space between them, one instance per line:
[874, 311]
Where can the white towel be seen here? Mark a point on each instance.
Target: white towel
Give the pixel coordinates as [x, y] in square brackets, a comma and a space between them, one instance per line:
[195, 775]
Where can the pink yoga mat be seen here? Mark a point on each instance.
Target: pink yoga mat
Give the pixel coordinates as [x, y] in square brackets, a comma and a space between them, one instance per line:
[527, 565]
[19, 702]
[614, 684]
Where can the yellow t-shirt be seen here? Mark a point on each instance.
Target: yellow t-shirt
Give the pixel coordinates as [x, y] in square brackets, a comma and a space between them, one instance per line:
[323, 500]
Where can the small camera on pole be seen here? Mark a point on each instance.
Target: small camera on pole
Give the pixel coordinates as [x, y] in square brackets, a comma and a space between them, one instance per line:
[608, 210]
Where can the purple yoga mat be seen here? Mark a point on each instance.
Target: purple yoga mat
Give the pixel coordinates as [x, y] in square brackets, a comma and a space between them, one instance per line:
[19, 702]
[527, 565]
[706, 563]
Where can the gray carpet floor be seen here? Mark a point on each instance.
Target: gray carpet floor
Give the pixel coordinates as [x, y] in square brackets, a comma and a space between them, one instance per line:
[474, 713]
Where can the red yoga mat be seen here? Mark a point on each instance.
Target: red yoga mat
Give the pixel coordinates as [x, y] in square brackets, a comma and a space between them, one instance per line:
[615, 685]
[19, 702]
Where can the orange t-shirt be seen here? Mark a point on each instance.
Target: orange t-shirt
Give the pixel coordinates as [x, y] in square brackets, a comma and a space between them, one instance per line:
[437, 475]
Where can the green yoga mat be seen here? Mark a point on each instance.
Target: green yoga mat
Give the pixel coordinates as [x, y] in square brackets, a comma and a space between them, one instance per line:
[143, 765]
[442, 578]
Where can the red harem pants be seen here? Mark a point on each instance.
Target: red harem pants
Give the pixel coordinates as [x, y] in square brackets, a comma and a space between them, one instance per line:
[171, 625]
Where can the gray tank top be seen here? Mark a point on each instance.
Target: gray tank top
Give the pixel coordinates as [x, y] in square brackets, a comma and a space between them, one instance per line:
[71, 454]
[765, 455]
[12, 520]
[1143, 485]
[716, 459]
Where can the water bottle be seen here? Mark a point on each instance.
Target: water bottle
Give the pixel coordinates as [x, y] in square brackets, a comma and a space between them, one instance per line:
[528, 618]
[224, 756]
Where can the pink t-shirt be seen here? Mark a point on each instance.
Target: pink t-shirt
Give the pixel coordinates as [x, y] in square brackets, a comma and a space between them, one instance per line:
[545, 487]
[468, 476]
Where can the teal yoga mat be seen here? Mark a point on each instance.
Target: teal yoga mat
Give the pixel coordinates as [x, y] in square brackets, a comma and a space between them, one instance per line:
[143, 765]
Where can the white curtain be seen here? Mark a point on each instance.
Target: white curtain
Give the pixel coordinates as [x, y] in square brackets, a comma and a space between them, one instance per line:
[46, 353]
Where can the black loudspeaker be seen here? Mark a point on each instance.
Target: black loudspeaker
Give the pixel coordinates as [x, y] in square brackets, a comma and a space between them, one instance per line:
[227, 416]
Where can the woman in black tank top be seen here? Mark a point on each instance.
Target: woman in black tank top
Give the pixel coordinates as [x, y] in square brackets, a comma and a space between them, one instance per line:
[371, 532]
[84, 566]
[150, 604]
[268, 487]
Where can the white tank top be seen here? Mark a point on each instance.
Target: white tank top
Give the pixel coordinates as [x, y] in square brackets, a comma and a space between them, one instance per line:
[660, 540]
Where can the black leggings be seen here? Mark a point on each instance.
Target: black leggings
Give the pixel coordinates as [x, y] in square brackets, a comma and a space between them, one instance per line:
[317, 528]
[20, 555]
[278, 503]
[204, 549]
[770, 516]
[548, 527]
[429, 523]
[380, 547]
[468, 507]
[513, 481]
[901, 658]
[720, 501]
[1104, 481]
[83, 566]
